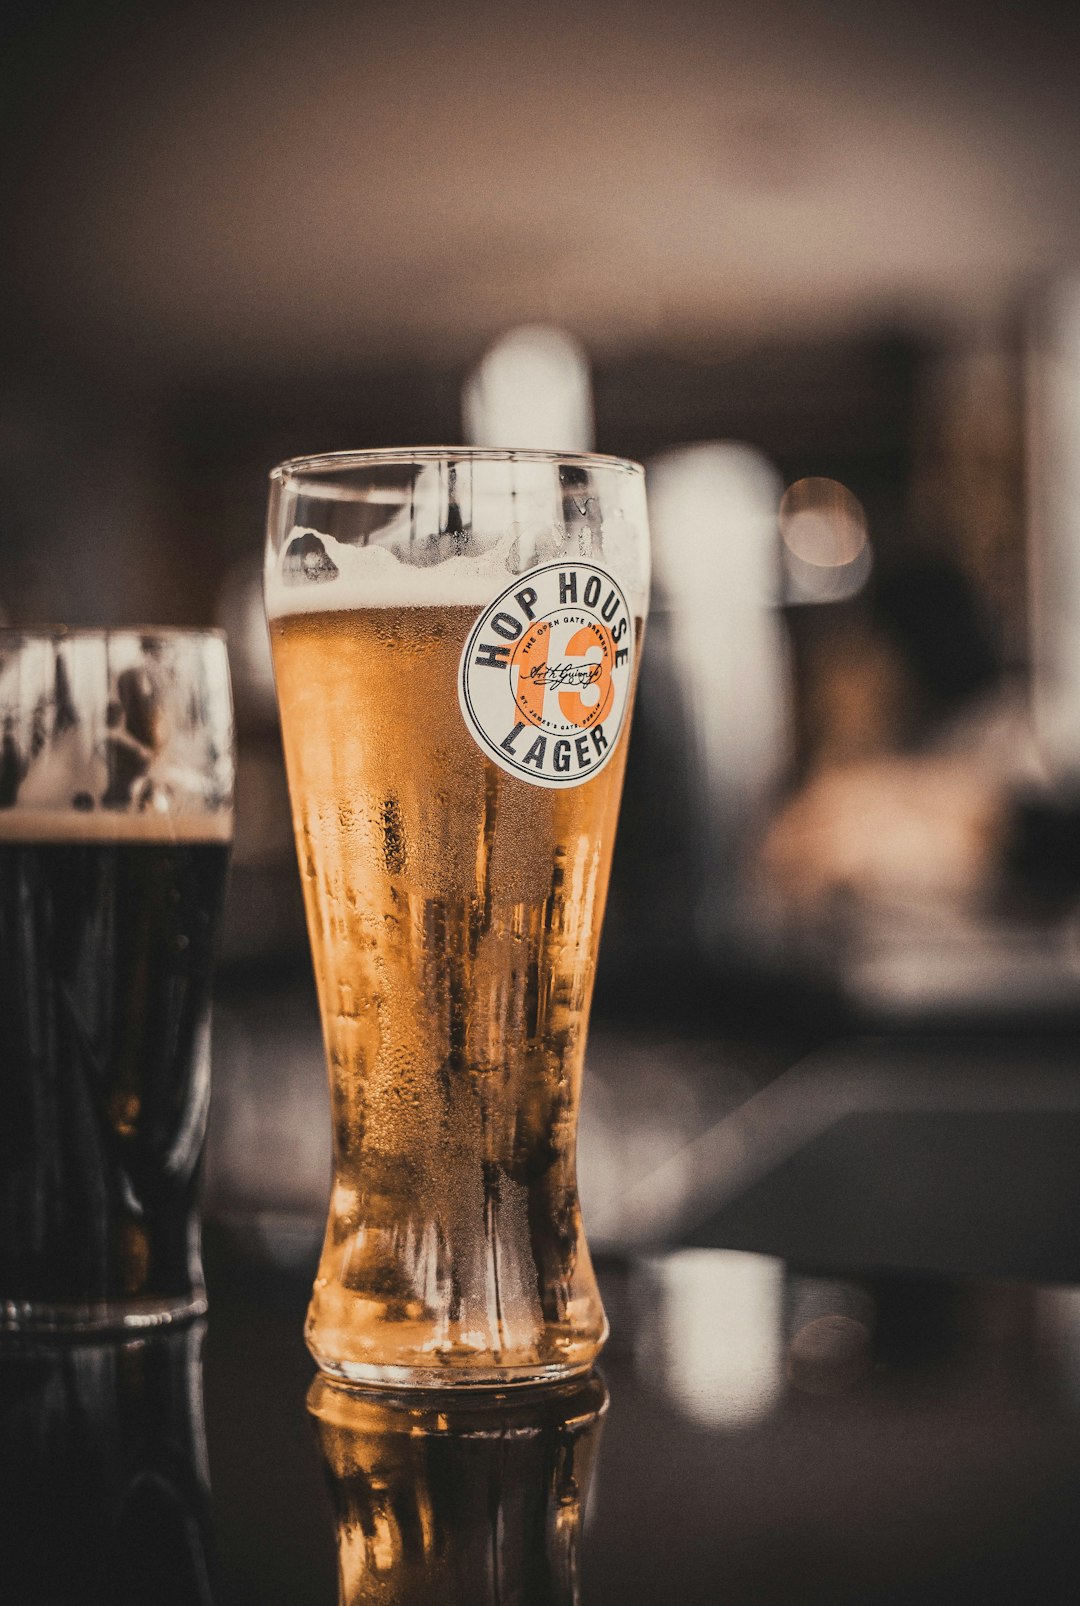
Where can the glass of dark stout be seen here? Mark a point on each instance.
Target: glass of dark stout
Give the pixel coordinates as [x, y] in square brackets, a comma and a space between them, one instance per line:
[116, 799]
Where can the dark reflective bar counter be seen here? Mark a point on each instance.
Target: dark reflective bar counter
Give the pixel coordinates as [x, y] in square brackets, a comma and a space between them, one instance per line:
[756, 1434]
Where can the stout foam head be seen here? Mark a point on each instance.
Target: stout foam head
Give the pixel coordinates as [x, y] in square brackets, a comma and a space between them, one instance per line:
[78, 827]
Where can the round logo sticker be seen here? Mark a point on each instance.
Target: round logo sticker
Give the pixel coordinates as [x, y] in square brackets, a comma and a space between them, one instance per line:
[545, 674]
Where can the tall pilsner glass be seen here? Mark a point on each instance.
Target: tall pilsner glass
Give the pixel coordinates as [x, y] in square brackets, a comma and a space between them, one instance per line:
[456, 637]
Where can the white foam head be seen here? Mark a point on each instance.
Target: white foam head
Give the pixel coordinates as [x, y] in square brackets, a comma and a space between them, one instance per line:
[375, 576]
[386, 539]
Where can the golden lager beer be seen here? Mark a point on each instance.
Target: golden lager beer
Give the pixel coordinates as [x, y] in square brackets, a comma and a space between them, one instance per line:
[454, 902]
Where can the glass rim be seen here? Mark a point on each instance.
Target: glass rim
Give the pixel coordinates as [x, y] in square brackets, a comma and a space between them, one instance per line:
[324, 464]
[103, 632]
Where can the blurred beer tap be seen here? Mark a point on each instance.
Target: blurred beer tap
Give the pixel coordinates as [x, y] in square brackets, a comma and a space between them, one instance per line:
[718, 669]
[1053, 489]
[530, 389]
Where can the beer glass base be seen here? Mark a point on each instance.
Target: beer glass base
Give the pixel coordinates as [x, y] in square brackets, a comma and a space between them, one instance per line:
[447, 1378]
[99, 1316]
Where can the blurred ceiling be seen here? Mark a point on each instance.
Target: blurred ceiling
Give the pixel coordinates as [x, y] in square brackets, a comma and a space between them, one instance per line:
[273, 185]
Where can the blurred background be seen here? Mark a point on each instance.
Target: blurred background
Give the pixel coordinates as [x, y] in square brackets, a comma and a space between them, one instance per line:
[820, 269]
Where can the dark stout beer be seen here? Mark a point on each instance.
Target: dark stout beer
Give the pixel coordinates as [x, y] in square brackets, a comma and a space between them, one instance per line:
[107, 926]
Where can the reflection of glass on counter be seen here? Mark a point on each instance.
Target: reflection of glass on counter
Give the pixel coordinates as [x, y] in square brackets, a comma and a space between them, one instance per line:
[104, 1471]
[459, 1502]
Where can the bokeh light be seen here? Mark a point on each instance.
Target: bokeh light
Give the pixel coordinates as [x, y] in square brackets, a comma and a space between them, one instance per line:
[826, 547]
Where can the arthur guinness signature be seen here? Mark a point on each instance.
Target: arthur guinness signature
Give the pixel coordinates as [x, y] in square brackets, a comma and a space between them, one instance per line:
[552, 675]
